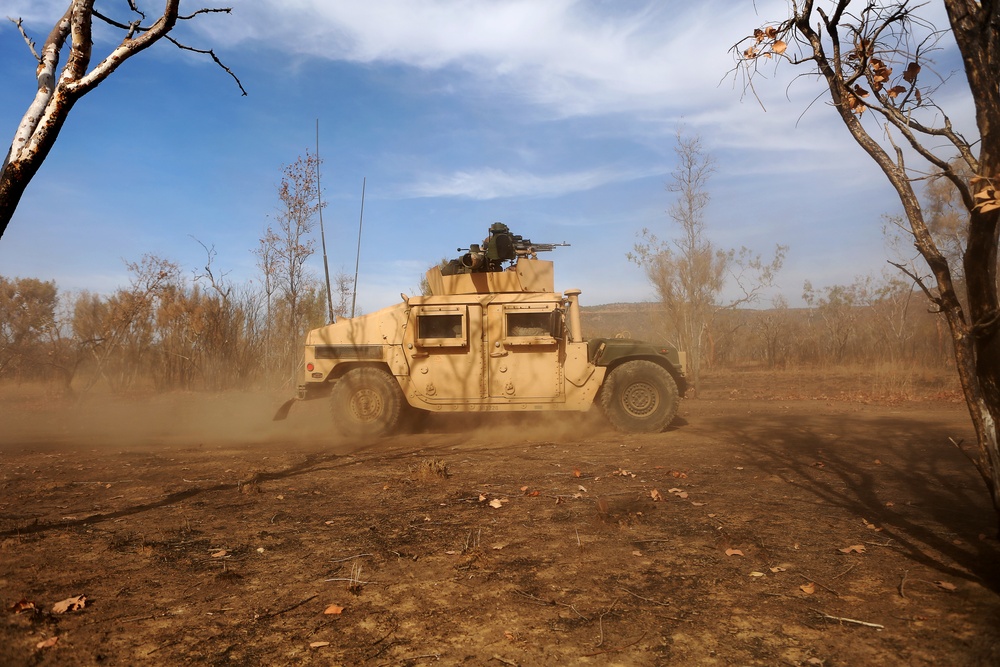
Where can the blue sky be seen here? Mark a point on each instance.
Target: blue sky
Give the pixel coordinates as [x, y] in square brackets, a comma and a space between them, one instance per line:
[558, 118]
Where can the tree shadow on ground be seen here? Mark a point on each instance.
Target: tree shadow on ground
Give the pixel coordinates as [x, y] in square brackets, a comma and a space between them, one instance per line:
[900, 473]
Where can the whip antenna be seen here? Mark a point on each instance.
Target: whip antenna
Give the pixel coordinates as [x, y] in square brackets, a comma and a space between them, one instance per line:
[357, 259]
[322, 234]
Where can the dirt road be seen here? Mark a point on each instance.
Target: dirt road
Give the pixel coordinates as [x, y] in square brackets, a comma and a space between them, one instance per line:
[755, 532]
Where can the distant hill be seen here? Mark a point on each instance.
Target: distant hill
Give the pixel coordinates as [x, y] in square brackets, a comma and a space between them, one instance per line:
[642, 320]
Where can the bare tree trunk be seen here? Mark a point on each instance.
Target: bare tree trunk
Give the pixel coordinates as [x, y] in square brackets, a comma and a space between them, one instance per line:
[58, 90]
[856, 48]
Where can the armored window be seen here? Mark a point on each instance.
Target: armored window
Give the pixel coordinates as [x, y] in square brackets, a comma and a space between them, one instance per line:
[441, 329]
[529, 325]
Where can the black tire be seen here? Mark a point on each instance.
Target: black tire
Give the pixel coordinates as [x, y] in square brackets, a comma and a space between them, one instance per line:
[640, 397]
[366, 402]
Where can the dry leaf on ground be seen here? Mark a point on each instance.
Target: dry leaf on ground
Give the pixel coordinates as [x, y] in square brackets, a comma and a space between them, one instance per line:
[656, 495]
[70, 604]
[856, 548]
[47, 643]
[808, 589]
[318, 644]
[22, 605]
[733, 552]
[333, 609]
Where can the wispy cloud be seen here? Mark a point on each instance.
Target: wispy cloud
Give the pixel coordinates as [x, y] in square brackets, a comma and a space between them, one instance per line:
[572, 56]
[495, 183]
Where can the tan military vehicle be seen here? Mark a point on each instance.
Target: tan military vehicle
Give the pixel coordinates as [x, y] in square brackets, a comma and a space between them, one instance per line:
[493, 336]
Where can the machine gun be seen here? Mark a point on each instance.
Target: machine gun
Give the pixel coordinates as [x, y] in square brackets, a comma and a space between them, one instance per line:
[499, 247]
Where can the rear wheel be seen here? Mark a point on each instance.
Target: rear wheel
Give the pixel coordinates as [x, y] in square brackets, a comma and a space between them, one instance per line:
[367, 402]
[639, 396]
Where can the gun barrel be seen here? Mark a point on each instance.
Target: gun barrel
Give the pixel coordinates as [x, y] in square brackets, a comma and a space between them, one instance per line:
[524, 247]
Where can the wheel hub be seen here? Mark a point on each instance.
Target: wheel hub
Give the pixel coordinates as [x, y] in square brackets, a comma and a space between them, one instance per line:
[640, 399]
[366, 405]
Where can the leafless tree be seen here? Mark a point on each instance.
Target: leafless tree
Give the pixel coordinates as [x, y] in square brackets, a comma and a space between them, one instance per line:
[283, 252]
[874, 58]
[343, 290]
[690, 272]
[119, 331]
[59, 89]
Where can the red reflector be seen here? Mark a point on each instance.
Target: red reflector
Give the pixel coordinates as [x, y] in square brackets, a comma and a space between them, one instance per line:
[309, 367]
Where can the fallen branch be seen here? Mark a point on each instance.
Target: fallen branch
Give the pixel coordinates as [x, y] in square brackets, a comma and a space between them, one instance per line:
[902, 583]
[287, 609]
[846, 571]
[600, 620]
[841, 619]
[616, 648]
[341, 560]
[546, 603]
[636, 595]
[818, 583]
[888, 544]
[958, 446]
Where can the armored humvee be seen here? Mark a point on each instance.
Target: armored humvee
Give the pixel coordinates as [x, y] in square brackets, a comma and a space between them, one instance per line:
[492, 336]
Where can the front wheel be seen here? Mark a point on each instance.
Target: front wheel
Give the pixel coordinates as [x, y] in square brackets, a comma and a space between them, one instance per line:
[639, 396]
[367, 402]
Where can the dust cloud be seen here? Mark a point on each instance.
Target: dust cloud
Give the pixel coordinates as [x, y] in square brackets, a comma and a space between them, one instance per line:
[36, 420]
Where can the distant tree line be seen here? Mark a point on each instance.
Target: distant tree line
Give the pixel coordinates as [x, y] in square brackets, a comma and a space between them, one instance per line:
[167, 330]
[875, 320]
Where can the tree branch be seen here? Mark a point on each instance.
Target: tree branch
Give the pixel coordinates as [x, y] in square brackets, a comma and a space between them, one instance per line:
[27, 40]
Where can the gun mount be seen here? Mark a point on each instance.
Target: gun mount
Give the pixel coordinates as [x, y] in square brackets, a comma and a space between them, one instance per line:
[499, 247]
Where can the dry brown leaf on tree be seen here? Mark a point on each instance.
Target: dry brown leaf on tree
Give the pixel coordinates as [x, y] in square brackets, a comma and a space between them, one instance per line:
[70, 604]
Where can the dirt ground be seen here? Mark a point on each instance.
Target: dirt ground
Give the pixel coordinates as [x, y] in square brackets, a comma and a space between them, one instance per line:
[780, 521]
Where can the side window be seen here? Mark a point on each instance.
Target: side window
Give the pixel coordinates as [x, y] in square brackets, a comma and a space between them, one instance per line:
[436, 329]
[529, 327]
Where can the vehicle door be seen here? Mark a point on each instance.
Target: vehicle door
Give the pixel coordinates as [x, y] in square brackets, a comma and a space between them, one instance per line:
[446, 361]
[524, 355]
